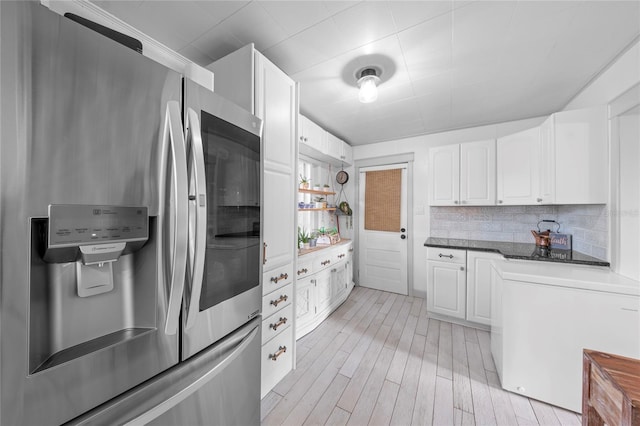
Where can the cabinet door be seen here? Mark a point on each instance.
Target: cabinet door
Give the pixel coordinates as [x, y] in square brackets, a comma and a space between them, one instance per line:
[547, 162]
[478, 173]
[518, 168]
[347, 154]
[479, 286]
[323, 290]
[275, 105]
[444, 175]
[334, 147]
[446, 288]
[312, 136]
[305, 303]
[338, 282]
[581, 156]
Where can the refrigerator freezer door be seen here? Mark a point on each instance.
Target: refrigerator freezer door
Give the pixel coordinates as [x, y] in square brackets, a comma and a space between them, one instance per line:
[81, 124]
[218, 386]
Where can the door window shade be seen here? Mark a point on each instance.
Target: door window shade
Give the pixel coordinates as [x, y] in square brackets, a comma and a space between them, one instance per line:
[382, 200]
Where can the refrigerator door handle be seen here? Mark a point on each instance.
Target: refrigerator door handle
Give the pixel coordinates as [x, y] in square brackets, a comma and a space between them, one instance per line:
[156, 411]
[197, 226]
[176, 257]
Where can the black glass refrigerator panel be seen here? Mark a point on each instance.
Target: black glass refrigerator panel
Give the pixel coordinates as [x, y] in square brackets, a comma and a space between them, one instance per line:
[232, 169]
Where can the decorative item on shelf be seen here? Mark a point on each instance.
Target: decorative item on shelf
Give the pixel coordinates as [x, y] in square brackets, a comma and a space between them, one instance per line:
[301, 205]
[303, 238]
[326, 188]
[316, 187]
[304, 182]
[334, 235]
[321, 203]
[313, 239]
[343, 206]
[323, 236]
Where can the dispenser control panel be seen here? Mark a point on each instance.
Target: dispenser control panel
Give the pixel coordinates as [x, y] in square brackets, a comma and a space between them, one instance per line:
[73, 225]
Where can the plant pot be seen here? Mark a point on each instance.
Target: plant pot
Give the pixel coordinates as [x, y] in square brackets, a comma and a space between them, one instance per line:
[305, 245]
[312, 242]
[319, 204]
[304, 185]
[316, 188]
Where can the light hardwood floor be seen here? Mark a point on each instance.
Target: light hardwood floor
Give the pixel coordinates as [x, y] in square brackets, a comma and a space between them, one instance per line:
[378, 359]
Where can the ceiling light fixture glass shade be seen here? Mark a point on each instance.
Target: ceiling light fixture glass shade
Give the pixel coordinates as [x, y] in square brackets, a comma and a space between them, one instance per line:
[368, 83]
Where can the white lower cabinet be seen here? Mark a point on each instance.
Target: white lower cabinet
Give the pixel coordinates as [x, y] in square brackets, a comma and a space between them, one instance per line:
[277, 359]
[479, 286]
[277, 329]
[459, 284]
[446, 282]
[326, 284]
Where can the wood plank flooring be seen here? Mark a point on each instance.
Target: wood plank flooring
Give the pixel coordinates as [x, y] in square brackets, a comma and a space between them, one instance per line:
[379, 360]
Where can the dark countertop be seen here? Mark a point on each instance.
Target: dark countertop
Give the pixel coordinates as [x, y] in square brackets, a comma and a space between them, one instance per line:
[522, 251]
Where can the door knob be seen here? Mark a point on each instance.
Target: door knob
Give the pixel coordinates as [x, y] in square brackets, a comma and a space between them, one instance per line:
[403, 236]
[403, 230]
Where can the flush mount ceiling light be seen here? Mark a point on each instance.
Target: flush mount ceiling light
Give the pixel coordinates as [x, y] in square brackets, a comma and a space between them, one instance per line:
[368, 81]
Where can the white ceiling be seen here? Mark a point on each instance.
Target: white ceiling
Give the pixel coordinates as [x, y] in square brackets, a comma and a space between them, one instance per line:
[446, 64]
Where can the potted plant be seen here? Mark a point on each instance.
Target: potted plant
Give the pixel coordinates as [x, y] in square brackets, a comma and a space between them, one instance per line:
[320, 203]
[304, 182]
[334, 236]
[303, 238]
[326, 188]
[313, 239]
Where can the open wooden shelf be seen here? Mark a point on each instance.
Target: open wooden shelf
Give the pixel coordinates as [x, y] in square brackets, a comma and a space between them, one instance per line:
[330, 209]
[313, 191]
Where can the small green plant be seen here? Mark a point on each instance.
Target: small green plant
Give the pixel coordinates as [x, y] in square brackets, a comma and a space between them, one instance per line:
[318, 199]
[303, 236]
[304, 181]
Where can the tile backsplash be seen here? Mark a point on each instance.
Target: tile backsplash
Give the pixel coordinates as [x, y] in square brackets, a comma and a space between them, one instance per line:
[588, 224]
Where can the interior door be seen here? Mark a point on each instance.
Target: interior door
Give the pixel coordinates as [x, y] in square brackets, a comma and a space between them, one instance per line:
[382, 228]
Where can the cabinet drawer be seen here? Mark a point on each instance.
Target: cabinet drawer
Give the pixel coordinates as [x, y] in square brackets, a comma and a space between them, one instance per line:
[277, 300]
[277, 278]
[277, 359]
[277, 323]
[304, 269]
[324, 260]
[447, 255]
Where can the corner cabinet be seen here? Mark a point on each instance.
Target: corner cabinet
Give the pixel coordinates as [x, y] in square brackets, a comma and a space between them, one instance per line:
[324, 280]
[250, 80]
[463, 174]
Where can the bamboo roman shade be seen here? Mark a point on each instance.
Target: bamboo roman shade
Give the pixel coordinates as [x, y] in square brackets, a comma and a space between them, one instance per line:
[382, 200]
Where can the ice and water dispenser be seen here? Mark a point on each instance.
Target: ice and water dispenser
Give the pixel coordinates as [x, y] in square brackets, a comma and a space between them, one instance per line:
[93, 281]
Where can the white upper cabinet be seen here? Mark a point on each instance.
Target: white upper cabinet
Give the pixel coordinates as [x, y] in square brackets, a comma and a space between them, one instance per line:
[319, 144]
[463, 174]
[478, 173]
[518, 168]
[575, 157]
[311, 136]
[444, 175]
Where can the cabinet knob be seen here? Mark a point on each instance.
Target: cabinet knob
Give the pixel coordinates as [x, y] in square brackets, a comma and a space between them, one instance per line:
[456, 202]
[301, 138]
[499, 201]
[539, 200]
[462, 268]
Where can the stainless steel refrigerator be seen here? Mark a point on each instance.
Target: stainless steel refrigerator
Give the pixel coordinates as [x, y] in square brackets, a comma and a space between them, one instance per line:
[130, 233]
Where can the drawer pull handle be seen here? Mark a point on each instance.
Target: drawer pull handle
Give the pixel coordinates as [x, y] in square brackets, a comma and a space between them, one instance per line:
[302, 271]
[340, 256]
[444, 255]
[326, 262]
[281, 350]
[283, 298]
[350, 250]
[275, 326]
[281, 277]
